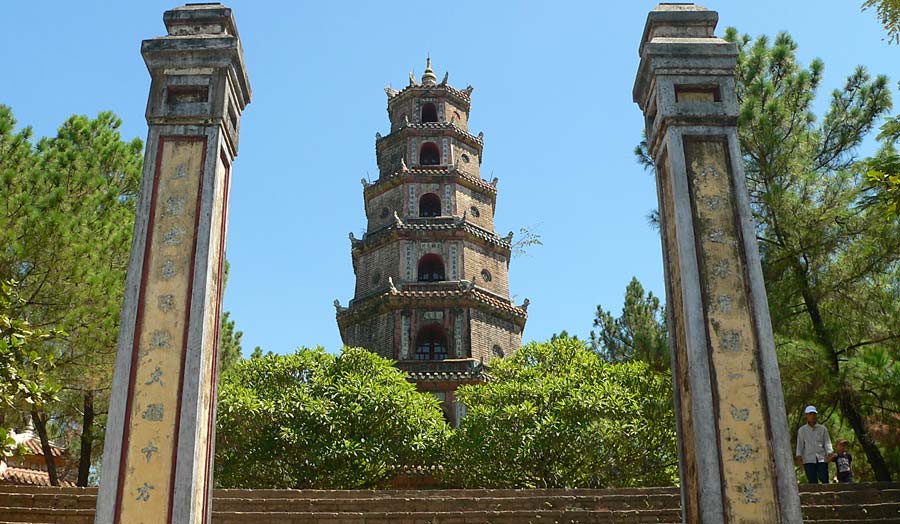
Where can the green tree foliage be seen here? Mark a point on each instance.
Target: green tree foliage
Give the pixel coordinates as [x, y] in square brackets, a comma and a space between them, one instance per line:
[65, 227]
[556, 415]
[883, 173]
[639, 333]
[316, 420]
[24, 370]
[831, 257]
[229, 337]
[888, 12]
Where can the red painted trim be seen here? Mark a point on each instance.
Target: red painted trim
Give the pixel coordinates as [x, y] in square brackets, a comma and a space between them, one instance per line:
[148, 242]
[210, 443]
[187, 318]
[139, 323]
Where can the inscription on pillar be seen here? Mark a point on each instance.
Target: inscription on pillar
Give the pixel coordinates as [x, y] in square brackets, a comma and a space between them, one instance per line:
[730, 330]
[164, 305]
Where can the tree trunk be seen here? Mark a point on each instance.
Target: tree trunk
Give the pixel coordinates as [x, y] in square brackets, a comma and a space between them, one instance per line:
[851, 411]
[40, 424]
[847, 400]
[87, 439]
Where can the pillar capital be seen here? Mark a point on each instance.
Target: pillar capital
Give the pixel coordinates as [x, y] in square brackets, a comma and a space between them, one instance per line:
[197, 70]
[686, 73]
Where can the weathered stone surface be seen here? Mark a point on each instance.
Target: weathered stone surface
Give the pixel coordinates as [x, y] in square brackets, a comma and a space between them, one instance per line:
[832, 504]
[735, 458]
[159, 438]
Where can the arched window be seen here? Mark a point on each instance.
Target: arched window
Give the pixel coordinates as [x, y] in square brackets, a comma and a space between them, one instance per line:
[429, 113]
[430, 155]
[431, 343]
[431, 268]
[430, 205]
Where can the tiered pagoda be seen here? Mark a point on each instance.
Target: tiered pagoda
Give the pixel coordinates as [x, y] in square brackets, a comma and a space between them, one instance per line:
[431, 273]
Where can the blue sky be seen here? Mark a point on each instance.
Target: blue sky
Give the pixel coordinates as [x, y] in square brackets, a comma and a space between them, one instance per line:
[552, 95]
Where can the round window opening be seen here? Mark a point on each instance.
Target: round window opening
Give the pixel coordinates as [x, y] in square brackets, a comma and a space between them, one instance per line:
[475, 212]
[498, 351]
[486, 275]
[384, 212]
[465, 158]
[376, 277]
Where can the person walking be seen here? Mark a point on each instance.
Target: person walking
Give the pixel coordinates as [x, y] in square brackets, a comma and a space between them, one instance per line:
[814, 448]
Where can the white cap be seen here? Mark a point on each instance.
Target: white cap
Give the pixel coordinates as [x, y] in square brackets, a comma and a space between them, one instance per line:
[810, 409]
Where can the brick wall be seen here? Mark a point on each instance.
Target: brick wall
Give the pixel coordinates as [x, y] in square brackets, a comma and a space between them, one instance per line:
[391, 200]
[374, 268]
[477, 258]
[488, 330]
[466, 199]
[375, 334]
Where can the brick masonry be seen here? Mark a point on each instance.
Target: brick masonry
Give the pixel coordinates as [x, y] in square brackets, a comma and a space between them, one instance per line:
[470, 307]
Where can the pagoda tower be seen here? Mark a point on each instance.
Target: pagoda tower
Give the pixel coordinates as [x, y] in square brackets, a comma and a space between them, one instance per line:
[432, 291]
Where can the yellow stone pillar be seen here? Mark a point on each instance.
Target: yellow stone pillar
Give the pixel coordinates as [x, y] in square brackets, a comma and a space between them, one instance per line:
[158, 453]
[736, 464]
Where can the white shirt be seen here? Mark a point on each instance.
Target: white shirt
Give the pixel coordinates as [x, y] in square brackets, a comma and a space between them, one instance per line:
[813, 443]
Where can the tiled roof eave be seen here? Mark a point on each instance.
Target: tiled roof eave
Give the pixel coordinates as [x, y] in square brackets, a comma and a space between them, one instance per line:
[452, 91]
[393, 179]
[395, 299]
[401, 132]
[394, 230]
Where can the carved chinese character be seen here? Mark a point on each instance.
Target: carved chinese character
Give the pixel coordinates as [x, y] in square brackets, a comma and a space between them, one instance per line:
[703, 171]
[748, 488]
[731, 341]
[180, 172]
[713, 203]
[723, 302]
[153, 413]
[173, 236]
[721, 268]
[144, 492]
[149, 450]
[740, 414]
[166, 303]
[743, 452]
[160, 339]
[155, 377]
[167, 270]
[717, 236]
[174, 206]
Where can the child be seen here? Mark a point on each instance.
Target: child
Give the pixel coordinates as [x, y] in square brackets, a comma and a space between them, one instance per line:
[842, 460]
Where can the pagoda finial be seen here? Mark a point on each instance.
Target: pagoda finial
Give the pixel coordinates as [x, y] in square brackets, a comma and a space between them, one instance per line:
[428, 77]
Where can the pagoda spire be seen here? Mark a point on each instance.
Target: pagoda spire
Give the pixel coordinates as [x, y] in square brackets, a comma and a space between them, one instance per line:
[428, 77]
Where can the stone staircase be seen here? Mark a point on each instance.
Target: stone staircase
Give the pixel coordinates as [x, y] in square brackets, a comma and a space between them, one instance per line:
[832, 504]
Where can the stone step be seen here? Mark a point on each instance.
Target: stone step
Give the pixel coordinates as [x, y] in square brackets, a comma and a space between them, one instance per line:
[455, 517]
[42, 500]
[853, 511]
[441, 504]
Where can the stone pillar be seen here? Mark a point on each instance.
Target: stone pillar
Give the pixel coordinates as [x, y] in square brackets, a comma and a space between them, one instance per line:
[735, 457]
[160, 434]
